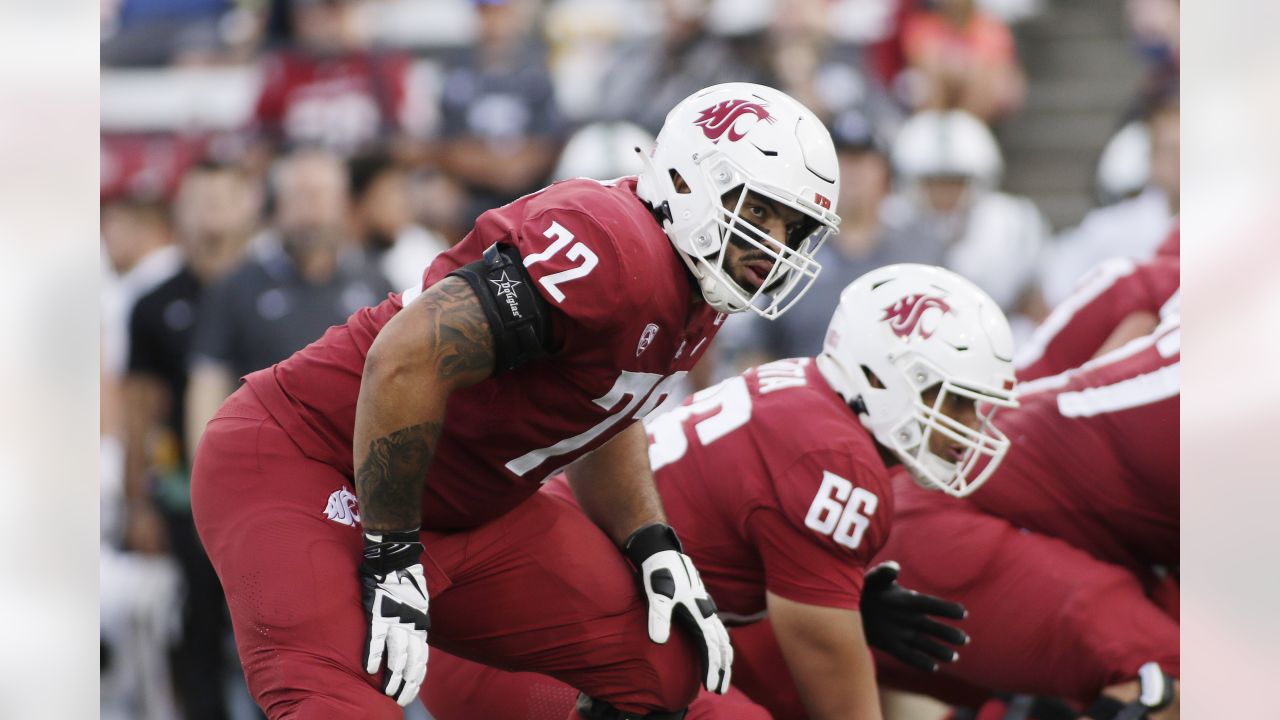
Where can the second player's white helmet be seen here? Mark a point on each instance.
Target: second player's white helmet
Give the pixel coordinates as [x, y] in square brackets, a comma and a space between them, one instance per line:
[742, 138]
[903, 330]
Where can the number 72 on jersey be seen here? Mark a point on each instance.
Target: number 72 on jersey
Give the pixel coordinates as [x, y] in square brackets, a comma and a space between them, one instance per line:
[577, 251]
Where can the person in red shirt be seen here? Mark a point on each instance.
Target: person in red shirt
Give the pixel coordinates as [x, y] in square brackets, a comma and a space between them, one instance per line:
[966, 57]
[778, 482]
[392, 465]
[328, 87]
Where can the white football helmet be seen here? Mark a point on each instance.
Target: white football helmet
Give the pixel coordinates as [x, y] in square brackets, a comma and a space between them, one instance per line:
[740, 138]
[902, 330]
[950, 143]
[602, 151]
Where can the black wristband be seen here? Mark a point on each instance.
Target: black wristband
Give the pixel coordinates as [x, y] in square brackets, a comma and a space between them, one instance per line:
[386, 552]
[649, 540]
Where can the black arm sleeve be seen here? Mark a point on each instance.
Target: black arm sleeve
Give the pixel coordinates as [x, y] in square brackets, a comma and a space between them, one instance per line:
[519, 317]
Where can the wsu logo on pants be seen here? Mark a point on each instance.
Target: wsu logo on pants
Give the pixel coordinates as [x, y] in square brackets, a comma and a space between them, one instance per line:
[343, 507]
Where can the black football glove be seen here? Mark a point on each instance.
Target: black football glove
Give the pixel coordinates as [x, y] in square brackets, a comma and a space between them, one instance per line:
[898, 620]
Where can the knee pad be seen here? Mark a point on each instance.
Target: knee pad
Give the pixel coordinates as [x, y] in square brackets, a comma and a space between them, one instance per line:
[591, 709]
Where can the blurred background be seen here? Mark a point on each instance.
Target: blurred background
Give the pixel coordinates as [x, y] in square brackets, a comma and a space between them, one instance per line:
[269, 166]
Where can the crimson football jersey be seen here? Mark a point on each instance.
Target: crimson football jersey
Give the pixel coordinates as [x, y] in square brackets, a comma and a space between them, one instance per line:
[1079, 325]
[772, 484]
[1093, 456]
[342, 102]
[623, 315]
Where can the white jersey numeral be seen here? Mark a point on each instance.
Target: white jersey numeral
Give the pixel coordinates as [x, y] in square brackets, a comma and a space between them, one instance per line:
[731, 398]
[647, 388]
[577, 251]
[841, 510]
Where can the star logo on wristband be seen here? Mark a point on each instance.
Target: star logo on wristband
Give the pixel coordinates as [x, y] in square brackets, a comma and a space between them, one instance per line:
[505, 284]
[506, 289]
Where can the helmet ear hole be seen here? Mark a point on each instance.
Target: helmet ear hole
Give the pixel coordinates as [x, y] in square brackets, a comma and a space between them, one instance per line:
[681, 186]
[872, 379]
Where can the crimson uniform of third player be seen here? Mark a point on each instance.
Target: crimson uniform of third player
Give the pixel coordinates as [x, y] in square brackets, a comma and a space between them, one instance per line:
[1054, 556]
[273, 494]
[772, 484]
[1077, 328]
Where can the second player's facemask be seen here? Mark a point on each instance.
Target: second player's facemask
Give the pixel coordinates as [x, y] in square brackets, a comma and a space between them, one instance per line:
[983, 447]
[909, 343]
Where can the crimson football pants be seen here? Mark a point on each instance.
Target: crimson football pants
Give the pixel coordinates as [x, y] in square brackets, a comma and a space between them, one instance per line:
[539, 589]
[458, 689]
[1045, 618]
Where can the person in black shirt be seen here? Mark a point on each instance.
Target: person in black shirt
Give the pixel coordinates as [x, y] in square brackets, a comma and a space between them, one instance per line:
[302, 275]
[214, 214]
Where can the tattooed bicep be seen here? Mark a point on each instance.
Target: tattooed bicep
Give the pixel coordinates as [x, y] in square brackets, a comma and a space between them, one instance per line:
[459, 340]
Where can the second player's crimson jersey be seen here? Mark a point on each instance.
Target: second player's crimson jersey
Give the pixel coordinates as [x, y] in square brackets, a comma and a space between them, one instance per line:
[623, 315]
[1094, 454]
[1079, 325]
[772, 484]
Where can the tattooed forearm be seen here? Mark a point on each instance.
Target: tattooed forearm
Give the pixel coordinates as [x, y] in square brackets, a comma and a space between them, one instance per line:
[389, 481]
[463, 342]
[438, 344]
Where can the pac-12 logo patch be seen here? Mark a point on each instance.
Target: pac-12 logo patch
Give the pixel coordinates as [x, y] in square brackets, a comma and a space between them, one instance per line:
[904, 315]
[721, 118]
[343, 507]
[646, 337]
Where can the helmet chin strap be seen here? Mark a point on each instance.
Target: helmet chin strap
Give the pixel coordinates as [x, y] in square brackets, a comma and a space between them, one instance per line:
[713, 293]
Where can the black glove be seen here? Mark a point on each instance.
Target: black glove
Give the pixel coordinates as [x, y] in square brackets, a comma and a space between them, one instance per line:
[897, 620]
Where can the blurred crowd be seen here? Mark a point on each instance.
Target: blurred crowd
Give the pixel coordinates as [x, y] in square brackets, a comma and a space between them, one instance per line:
[377, 130]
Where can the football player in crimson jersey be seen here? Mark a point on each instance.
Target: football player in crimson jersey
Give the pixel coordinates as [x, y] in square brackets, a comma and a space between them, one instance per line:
[540, 340]
[1053, 558]
[1067, 559]
[778, 483]
[1119, 300]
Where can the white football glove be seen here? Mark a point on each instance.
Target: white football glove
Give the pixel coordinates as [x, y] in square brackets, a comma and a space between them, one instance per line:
[394, 591]
[674, 590]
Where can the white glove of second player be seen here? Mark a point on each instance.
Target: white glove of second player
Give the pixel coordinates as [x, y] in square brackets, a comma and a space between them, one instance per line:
[675, 591]
[394, 591]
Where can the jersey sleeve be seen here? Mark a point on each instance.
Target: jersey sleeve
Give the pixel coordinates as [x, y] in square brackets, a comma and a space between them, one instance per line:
[579, 269]
[830, 517]
[1079, 325]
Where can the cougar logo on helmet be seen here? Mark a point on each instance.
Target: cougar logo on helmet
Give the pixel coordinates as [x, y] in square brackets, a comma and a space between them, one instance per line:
[720, 117]
[904, 315]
